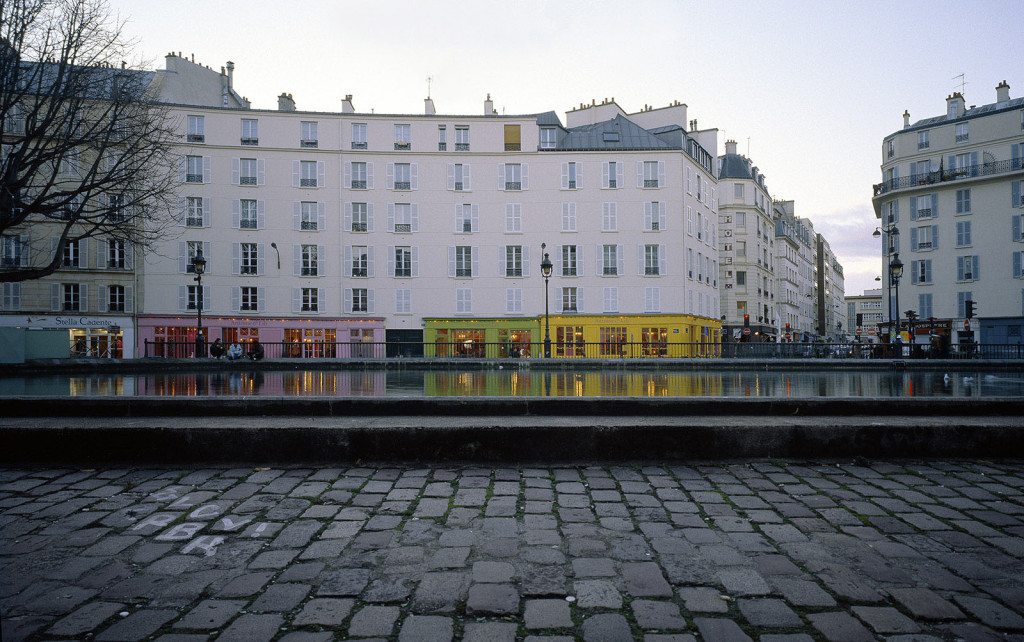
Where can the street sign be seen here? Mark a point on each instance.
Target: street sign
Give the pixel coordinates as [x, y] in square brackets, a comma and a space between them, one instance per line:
[860, 331]
[871, 331]
[746, 331]
[967, 324]
[788, 336]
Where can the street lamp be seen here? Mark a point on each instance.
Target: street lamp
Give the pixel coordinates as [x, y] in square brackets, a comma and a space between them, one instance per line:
[545, 271]
[895, 272]
[199, 266]
[894, 234]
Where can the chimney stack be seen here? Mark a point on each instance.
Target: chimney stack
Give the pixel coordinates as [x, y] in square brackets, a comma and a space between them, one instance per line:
[428, 106]
[906, 118]
[285, 102]
[488, 106]
[231, 74]
[955, 105]
[346, 105]
[1002, 92]
[730, 147]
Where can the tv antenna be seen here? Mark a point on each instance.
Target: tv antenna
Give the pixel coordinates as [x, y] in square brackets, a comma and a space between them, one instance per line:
[430, 79]
[963, 82]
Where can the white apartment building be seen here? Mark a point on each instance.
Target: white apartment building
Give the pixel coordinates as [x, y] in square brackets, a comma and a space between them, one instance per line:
[953, 188]
[865, 314]
[746, 248]
[359, 228]
[795, 248]
[829, 291]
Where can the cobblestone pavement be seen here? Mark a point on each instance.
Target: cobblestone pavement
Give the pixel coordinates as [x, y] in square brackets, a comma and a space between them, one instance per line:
[770, 550]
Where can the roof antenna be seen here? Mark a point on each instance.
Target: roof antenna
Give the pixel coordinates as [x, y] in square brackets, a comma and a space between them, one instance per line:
[963, 82]
[429, 80]
[748, 146]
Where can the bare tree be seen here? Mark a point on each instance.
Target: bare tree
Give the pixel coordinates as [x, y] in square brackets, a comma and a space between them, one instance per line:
[86, 145]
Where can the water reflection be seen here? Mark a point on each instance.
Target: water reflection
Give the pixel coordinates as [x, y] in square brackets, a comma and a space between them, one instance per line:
[500, 383]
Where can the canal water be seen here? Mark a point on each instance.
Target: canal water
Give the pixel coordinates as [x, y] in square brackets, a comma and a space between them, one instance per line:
[513, 383]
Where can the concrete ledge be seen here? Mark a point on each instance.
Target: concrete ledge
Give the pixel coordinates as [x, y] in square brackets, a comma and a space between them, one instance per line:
[505, 406]
[510, 440]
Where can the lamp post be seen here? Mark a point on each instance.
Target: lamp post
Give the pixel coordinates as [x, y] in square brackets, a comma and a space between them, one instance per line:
[545, 271]
[199, 266]
[895, 272]
[893, 238]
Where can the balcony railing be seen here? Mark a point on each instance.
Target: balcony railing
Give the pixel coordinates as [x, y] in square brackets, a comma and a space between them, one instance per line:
[307, 182]
[359, 144]
[403, 185]
[309, 142]
[250, 141]
[946, 175]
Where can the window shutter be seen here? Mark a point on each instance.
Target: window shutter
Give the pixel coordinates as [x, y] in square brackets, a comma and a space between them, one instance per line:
[935, 205]
[235, 171]
[526, 176]
[927, 271]
[1015, 199]
[977, 266]
[391, 260]
[467, 179]
[605, 170]
[347, 258]
[236, 213]
[915, 271]
[347, 293]
[296, 260]
[261, 171]
[182, 257]
[415, 254]
[935, 237]
[261, 259]
[451, 176]
[296, 173]
[558, 300]
[640, 259]
[129, 298]
[639, 174]
[913, 208]
[501, 177]
[661, 174]
[458, 219]
[960, 268]
[451, 261]
[620, 255]
[581, 302]
[369, 176]
[236, 298]
[102, 302]
[348, 217]
[261, 299]
[579, 175]
[1015, 225]
[913, 238]
[647, 216]
[389, 176]
[321, 299]
[475, 218]
[321, 260]
[526, 261]
[369, 217]
[207, 169]
[414, 175]
[371, 305]
[565, 175]
[1017, 273]
[414, 217]
[129, 255]
[474, 263]
[208, 254]
[663, 260]
[101, 253]
[207, 212]
[236, 259]
[661, 216]
[348, 175]
[391, 217]
[296, 215]
[370, 262]
[261, 215]
[321, 216]
[321, 174]
[182, 298]
[579, 260]
[296, 300]
[619, 171]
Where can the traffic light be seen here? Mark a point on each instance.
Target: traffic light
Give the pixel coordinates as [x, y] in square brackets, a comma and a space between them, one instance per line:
[860, 318]
[969, 308]
[746, 320]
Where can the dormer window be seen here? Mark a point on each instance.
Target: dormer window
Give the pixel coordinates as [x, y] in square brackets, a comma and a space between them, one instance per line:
[548, 138]
[611, 137]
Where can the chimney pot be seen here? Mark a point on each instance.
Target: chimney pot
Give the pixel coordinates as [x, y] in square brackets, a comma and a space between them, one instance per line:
[906, 118]
[1002, 92]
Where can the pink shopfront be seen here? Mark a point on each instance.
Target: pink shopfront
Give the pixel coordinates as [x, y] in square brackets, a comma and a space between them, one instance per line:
[289, 338]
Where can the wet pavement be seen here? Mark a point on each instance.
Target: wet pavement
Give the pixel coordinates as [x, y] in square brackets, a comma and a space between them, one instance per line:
[774, 551]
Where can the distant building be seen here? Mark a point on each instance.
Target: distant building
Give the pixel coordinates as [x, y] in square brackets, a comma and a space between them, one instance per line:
[795, 248]
[953, 187]
[864, 313]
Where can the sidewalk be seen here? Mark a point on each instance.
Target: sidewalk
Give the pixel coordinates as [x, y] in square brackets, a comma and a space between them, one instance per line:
[774, 551]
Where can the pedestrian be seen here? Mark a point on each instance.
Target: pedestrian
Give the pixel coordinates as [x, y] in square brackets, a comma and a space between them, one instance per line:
[256, 351]
[217, 349]
[235, 351]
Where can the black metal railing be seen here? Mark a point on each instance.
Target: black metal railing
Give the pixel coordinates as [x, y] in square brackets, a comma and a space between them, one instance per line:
[946, 175]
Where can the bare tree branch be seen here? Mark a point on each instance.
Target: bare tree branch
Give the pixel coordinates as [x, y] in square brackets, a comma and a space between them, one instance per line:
[87, 149]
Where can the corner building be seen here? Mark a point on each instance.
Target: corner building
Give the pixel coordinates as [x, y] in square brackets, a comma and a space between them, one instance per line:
[355, 229]
[953, 187]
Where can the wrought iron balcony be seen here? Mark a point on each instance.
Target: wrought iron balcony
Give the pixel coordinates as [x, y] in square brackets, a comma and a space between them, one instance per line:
[947, 175]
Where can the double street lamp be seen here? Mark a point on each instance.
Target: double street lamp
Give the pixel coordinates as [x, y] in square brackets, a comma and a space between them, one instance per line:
[895, 272]
[199, 266]
[892, 237]
[545, 271]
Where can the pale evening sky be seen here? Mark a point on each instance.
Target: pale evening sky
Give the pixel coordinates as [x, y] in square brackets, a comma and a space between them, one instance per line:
[811, 86]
